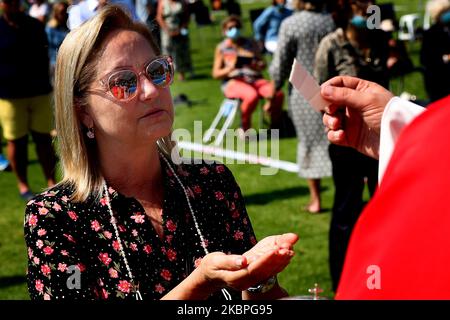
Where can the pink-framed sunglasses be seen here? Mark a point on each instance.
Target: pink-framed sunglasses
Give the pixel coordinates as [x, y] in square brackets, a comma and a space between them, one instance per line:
[123, 84]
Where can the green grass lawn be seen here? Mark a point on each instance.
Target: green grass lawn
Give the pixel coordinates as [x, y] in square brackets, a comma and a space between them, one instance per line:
[273, 202]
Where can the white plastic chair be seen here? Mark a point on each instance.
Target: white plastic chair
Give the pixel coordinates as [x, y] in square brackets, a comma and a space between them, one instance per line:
[227, 110]
[407, 27]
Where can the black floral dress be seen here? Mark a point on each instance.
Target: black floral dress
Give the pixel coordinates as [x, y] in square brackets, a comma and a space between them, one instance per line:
[67, 239]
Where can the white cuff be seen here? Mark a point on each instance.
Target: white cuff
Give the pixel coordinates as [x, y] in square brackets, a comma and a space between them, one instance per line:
[396, 116]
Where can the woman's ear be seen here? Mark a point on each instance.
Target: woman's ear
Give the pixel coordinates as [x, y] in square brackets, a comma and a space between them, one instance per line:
[84, 116]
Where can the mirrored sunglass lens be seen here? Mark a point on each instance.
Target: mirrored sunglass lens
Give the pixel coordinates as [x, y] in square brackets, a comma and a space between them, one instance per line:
[160, 71]
[123, 84]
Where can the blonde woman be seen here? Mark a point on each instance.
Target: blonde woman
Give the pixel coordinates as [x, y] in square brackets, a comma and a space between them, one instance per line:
[126, 221]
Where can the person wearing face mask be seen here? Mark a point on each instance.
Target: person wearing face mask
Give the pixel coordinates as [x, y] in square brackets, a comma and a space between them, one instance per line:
[268, 23]
[351, 50]
[238, 62]
[435, 52]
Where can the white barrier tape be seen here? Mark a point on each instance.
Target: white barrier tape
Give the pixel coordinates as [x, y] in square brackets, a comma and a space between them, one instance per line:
[237, 155]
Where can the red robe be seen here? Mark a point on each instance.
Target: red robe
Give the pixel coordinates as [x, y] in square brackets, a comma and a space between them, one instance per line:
[400, 247]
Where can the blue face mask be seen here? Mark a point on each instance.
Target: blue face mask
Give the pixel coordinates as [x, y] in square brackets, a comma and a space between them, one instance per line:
[233, 33]
[445, 18]
[359, 22]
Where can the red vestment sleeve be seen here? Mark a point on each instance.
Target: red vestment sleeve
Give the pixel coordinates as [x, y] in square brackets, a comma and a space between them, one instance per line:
[400, 247]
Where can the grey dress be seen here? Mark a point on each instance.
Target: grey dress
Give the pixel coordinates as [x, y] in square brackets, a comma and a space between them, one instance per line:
[299, 37]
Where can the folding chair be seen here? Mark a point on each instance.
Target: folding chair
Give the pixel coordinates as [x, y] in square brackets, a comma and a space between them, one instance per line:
[227, 110]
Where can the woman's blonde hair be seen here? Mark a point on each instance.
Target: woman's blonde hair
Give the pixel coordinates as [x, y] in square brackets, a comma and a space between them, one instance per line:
[75, 71]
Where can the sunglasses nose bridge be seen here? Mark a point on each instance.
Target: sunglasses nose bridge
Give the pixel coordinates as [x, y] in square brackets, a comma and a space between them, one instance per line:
[147, 88]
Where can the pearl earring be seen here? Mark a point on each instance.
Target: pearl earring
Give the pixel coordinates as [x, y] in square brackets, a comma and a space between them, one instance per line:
[90, 134]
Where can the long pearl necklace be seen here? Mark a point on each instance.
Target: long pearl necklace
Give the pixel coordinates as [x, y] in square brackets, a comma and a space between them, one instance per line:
[116, 231]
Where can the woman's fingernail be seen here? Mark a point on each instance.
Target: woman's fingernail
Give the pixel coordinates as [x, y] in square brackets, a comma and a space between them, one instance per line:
[327, 91]
[239, 262]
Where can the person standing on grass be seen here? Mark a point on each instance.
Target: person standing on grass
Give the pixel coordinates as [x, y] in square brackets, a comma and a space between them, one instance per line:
[357, 51]
[173, 18]
[25, 93]
[299, 37]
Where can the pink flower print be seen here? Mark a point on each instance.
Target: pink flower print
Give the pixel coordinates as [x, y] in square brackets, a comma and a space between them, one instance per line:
[166, 274]
[103, 201]
[40, 204]
[147, 249]
[30, 252]
[39, 244]
[62, 267]
[65, 198]
[171, 255]
[32, 220]
[36, 260]
[104, 257]
[245, 221]
[204, 171]
[30, 202]
[236, 195]
[45, 269]
[197, 189]
[159, 288]
[169, 239]
[124, 286]
[39, 285]
[219, 195]
[113, 273]
[48, 250]
[42, 232]
[95, 225]
[227, 227]
[111, 190]
[56, 207]
[107, 234]
[182, 172]
[205, 243]
[197, 262]
[133, 246]
[43, 211]
[138, 217]
[134, 232]
[64, 253]
[81, 266]
[190, 193]
[235, 214]
[220, 169]
[238, 235]
[253, 240]
[69, 238]
[105, 294]
[116, 245]
[171, 226]
[46, 296]
[232, 206]
[121, 228]
[72, 215]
